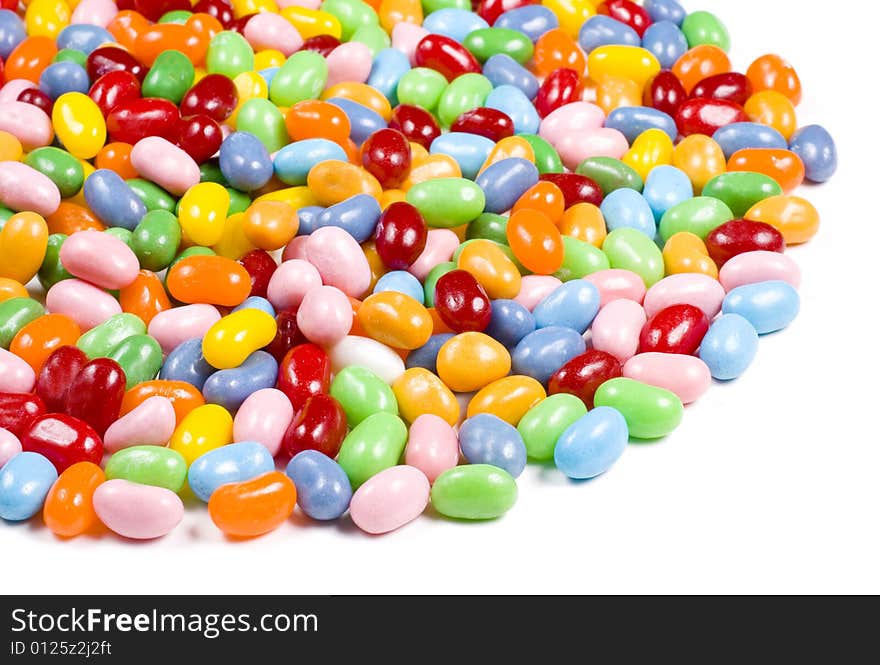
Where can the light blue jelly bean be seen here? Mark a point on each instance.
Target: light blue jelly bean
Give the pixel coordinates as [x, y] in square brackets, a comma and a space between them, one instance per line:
[501, 69]
[83, 37]
[112, 200]
[61, 77]
[232, 463]
[592, 443]
[426, 355]
[768, 306]
[531, 20]
[364, 121]
[505, 181]
[308, 219]
[323, 490]
[626, 208]
[230, 387]
[633, 120]
[603, 30]
[453, 23]
[740, 135]
[729, 346]
[510, 322]
[186, 363]
[814, 145]
[294, 161]
[515, 103]
[12, 32]
[25, 480]
[389, 66]
[666, 41]
[665, 10]
[542, 352]
[468, 150]
[402, 282]
[572, 305]
[268, 74]
[256, 302]
[486, 439]
[358, 215]
[245, 162]
[666, 186]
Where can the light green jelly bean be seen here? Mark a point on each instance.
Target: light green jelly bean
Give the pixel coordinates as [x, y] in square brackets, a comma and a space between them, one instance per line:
[179, 16]
[650, 412]
[610, 174]
[375, 444]
[122, 234]
[262, 118]
[140, 356]
[155, 240]
[431, 280]
[474, 492]
[352, 14]
[15, 314]
[210, 172]
[630, 249]
[466, 92]
[71, 55]
[421, 86]
[51, 271]
[486, 42]
[546, 158]
[705, 28]
[153, 196]
[148, 465]
[101, 340]
[238, 201]
[699, 215]
[303, 76]
[60, 167]
[740, 190]
[170, 77]
[229, 54]
[488, 226]
[580, 259]
[361, 393]
[447, 202]
[373, 36]
[545, 422]
[431, 6]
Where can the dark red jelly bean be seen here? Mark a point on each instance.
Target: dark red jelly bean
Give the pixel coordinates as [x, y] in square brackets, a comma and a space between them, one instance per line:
[582, 375]
[446, 56]
[575, 188]
[706, 116]
[135, 119]
[626, 11]
[562, 87]
[64, 440]
[415, 123]
[665, 93]
[38, 98]
[461, 302]
[304, 371]
[490, 10]
[287, 335]
[219, 9]
[114, 88]
[483, 121]
[400, 235]
[730, 86]
[742, 235]
[56, 375]
[323, 44]
[18, 410]
[111, 59]
[214, 96]
[200, 137]
[675, 329]
[96, 393]
[387, 155]
[320, 425]
[260, 266]
[239, 24]
[153, 10]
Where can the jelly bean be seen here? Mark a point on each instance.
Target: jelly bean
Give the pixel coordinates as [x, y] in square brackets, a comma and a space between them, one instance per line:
[740, 236]
[674, 329]
[186, 363]
[432, 447]
[13, 32]
[771, 72]
[244, 161]
[95, 394]
[769, 306]
[18, 410]
[320, 425]
[539, 354]
[814, 145]
[740, 135]
[425, 356]
[665, 93]
[546, 158]
[650, 412]
[705, 28]
[535, 241]
[582, 375]
[783, 166]
[415, 123]
[60, 167]
[148, 465]
[486, 439]
[472, 360]
[293, 162]
[474, 492]
[504, 182]
[173, 327]
[706, 116]
[11, 288]
[666, 42]
[370, 354]
[208, 279]
[260, 266]
[774, 109]
[213, 95]
[335, 181]
[361, 393]
[183, 397]
[230, 387]
[230, 341]
[140, 357]
[700, 158]
[468, 150]
[534, 288]
[36, 341]
[68, 509]
[483, 43]
[634, 120]
[631, 62]
[15, 314]
[99, 258]
[395, 319]
[323, 489]
[489, 122]
[325, 315]
[25, 480]
[390, 499]
[701, 291]
[794, 217]
[665, 187]
[461, 302]
[162, 162]
[149, 424]
[419, 391]
[102, 339]
[291, 281]
[156, 238]
[63, 77]
[263, 417]
[665, 10]
[617, 327]
[401, 235]
[699, 63]
[544, 423]
[373, 445]
[234, 463]
[729, 347]
[112, 200]
[610, 174]
[699, 215]
[573, 305]
[466, 92]
[686, 376]
[203, 429]
[650, 149]
[63, 440]
[491, 267]
[229, 54]
[446, 56]
[600, 31]
[501, 69]
[422, 87]
[543, 195]
[741, 190]
[626, 208]
[729, 86]
[152, 196]
[629, 249]
[357, 215]
[338, 259]
[759, 266]
[17, 376]
[389, 67]
[135, 119]
[591, 444]
[56, 375]
[132, 510]
[24, 188]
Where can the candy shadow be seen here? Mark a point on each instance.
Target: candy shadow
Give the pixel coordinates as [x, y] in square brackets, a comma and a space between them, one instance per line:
[342, 525]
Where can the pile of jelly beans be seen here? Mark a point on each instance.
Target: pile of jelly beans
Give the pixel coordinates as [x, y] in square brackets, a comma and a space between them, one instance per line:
[364, 256]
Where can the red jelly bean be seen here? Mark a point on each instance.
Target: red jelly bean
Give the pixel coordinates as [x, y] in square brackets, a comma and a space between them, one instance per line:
[56, 376]
[461, 302]
[214, 96]
[742, 235]
[575, 188]
[135, 119]
[154, 9]
[18, 410]
[387, 155]
[627, 12]
[38, 98]
[446, 56]
[665, 93]
[200, 137]
[287, 335]
[111, 59]
[64, 440]
[239, 24]
[582, 375]
[675, 329]
[96, 393]
[400, 235]
[219, 9]
[114, 88]
[323, 44]
[305, 371]
[320, 425]
[706, 116]
[490, 10]
[483, 121]
[730, 86]
[260, 266]
[415, 123]
[562, 87]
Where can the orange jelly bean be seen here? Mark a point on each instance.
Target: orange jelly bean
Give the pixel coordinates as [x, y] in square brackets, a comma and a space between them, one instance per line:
[556, 49]
[698, 63]
[430, 168]
[150, 43]
[508, 398]
[535, 241]
[39, 338]
[10, 288]
[126, 26]
[700, 158]
[774, 109]
[491, 267]
[253, 507]
[23, 242]
[334, 181]
[116, 156]
[184, 397]
[68, 508]
[544, 197]
[214, 280]
[270, 225]
[420, 391]
[314, 119]
[794, 217]
[392, 12]
[613, 92]
[144, 297]
[72, 217]
[772, 72]
[363, 94]
[686, 252]
[509, 146]
[30, 58]
[395, 319]
[584, 221]
[784, 166]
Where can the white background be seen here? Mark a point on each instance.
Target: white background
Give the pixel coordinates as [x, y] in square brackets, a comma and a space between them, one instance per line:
[769, 485]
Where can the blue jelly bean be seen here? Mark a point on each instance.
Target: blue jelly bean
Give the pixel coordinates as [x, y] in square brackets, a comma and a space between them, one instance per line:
[531, 20]
[665, 10]
[768, 306]
[245, 162]
[233, 463]
[505, 181]
[666, 41]
[666, 186]
[358, 215]
[814, 145]
[186, 363]
[741, 135]
[402, 282]
[294, 161]
[389, 66]
[323, 490]
[516, 104]
[256, 302]
[83, 37]
[510, 322]
[61, 77]
[453, 23]
[364, 121]
[501, 69]
[633, 120]
[426, 355]
[112, 200]
[729, 346]
[230, 387]
[308, 219]
[627, 208]
[572, 305]
[592, 443]
[25, 480]
[541, 353]
[603, 30]
[468, 150]
[12, 32]
[268, 74]
[486, 439]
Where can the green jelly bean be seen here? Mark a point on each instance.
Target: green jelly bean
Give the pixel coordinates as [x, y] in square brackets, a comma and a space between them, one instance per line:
[421, 86]
[488, 226]
[650, 412]
[71, 55]
[431, 6]
[699, 215]
[545, 422]
[466, 92]
[171, 75]
[60, 167]
[238, 201]
[262, 118]
[740, 190]
[210, 172]
[15, 314]
[375, 38]
[140, 356]
[580, 259]
[101, 340]
[474, 492]
[230, 54]
[352, 14]
[705, 28]
[51, 271]
[155, 240]
[375, 444]
[148, 465]
[447, 202]
[546, 158]
[431, 280]
[122, 234]
[303, 76]
[630, 249]
[361, 393]
[610, 174]
[179, 16]
[153, 196]
[486, 42]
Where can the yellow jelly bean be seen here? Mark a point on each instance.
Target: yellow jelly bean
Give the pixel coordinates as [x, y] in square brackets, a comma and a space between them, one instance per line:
[10, 147]
[390, 196]
[202, 213]
[247, 7]
[23, 243]
[46, 18]
[613, 92]
[586, 222]
[794, 217]
[491, 267]
[333, 181]
[312, 22]
[392, 12]
[295, 197]
[10, 288]
[233, 338]
[79, 124]
[363, 94]
[774, 109]
[508, 398]
[623, 62]
[249, 85]
[433, 166]
[233, 243]
[396, 319]
[419, 153]
[686, 252]
[377, 266]
[268, 58]
[700, 158]
[471, 360]
[571, 13]
[270, 225]
[651, 148]
[202, 430]
[420, 391]
[509, 146]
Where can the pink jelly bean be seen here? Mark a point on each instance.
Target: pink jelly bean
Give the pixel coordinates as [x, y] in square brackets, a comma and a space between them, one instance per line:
[759, 266]
[263, 417]
[340, 260]
[13, 88]
[324, 315]
[432, 446]
[382, 360]
[290, 283]
[349, 62]
[295, 249]
[150, 423]
[272, 31]
[390, 499]
[578, 146]
[685, 289]
[440, 245]
[88, 305]
[163, 163]
[94, 12]
[16, 376]
[174, 326]
[405, 37]
[28, 123]
[616, 328]
[25, 188]
[10, 446]
[571, 118]
[615, 283]
[686, 376]
[100, 259]
[534, 288]
[137, 511]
